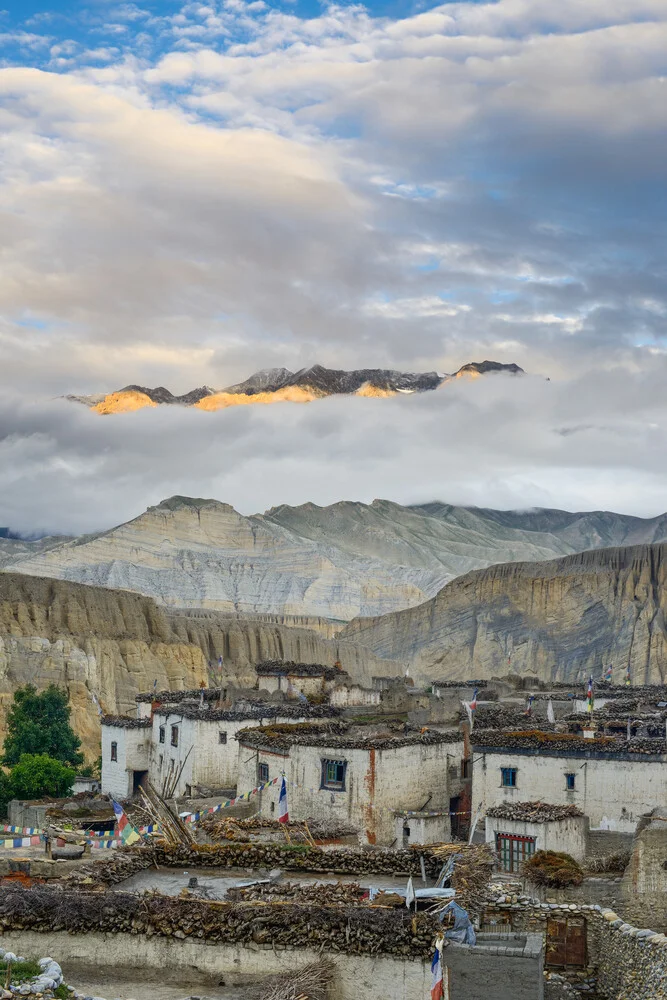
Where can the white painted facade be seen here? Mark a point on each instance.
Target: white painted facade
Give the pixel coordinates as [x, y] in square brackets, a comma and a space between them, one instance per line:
[376, 784]
[293, 684]
[611, 791]
[353, 695]
[206, 747]
[581, 704]
[568, 835]
[423, 828]
[130, 747]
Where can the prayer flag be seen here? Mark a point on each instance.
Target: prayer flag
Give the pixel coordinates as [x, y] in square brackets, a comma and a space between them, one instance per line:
[437, 988]
[551, 717]
[283, 813]
[473, 703]
[591, 699]
[126, 831]
[409, 893]
[608, 673]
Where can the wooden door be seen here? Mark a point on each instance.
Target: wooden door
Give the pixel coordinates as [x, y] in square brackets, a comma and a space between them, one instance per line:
[566, 941]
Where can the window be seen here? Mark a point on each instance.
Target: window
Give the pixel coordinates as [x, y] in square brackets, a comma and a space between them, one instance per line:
[114, 751]
[333, 774]
[569, 782]
[513, 851]
[174, 736]
[466, 768]
[161, 760]
[508, 777]
[162, 734]
[262, 773]
[222, 738]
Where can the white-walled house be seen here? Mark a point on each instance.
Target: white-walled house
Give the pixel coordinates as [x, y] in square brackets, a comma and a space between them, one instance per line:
[294, 679]
[125, 755]
[341, 772]
[185, 729]
[200, 741]
[515, 831]
[354, 696]
[612, 781]
[203, 741]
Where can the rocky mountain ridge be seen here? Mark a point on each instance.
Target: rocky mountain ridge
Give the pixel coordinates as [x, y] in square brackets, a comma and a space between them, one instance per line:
[337, 562]
[561, 620]
[282, 385]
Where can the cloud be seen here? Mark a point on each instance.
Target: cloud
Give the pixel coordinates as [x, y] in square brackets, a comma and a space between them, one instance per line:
[186, 197]
[508, 442]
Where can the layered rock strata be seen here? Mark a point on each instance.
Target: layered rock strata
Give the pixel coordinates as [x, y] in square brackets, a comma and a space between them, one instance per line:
[561, 620]
[298, 564]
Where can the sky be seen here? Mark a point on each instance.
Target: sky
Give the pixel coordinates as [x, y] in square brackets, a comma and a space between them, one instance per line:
[190, 192]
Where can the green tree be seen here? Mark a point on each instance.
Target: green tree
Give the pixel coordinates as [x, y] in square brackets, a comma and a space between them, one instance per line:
[38, 723]
[37, 775]
[5, 793]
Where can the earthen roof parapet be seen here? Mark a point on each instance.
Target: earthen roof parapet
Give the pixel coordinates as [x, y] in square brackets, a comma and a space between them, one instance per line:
[533, 812]
[125, 722]
[340, 735]
[284, 668]
[565, 744]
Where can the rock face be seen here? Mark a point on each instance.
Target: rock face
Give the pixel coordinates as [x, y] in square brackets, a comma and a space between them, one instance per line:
[274, 385]
[87, 640]
[336, 562]
[558, 620]
[115, 644]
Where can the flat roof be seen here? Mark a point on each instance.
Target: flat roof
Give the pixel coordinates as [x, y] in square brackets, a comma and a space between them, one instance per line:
[125, 722]
[340, 735]
[533, 812]
[540, 743]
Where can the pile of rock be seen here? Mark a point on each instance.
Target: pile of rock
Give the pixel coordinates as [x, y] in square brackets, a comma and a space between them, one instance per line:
[42, 985]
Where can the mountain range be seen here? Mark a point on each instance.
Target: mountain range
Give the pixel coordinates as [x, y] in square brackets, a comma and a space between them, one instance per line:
[272, 385]
[309, 564]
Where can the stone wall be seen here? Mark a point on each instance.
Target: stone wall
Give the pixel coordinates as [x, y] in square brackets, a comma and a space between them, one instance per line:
[631, 962]
[473, 972]
[644, 884]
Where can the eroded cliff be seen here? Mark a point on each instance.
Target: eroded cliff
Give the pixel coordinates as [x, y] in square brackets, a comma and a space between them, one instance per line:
[114, 644]
[559, 620]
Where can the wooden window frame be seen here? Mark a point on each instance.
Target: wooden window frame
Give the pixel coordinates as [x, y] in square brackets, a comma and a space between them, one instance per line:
[509, 772]
[114, 752]
[329, 768]
[512, 850]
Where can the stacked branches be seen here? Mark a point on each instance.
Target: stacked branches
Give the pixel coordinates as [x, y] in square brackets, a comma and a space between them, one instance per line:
[346, 929]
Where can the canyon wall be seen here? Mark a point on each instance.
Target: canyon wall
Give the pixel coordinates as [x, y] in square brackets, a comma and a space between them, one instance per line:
[558, 620]
[114, 644]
